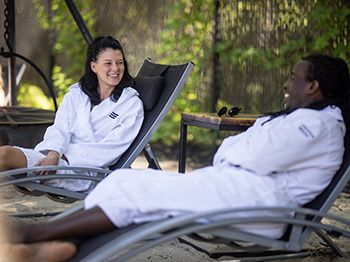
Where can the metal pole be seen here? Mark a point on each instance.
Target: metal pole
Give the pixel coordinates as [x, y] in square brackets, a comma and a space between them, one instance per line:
[79, 21]
[12, 46]
[215, 59]
[52, 40]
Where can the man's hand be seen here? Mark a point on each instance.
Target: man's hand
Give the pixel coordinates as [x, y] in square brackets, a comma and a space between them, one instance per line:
[51, 159]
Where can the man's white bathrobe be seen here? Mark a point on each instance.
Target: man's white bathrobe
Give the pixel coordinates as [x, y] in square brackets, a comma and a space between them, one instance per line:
[90, 137]
[286, 161]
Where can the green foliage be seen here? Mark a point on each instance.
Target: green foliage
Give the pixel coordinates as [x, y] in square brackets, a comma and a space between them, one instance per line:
[69, 46]
[187, 37]
[294, 29]
[333, 25]
[33, 96]
[297, 28]
[61, 82]
[284, 31]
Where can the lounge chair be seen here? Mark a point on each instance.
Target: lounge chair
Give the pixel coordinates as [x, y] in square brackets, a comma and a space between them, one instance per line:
[306, 220]
[158, 85]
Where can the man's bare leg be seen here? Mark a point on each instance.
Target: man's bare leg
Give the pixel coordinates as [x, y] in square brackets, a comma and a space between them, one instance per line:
[78, 225]
[11, 157]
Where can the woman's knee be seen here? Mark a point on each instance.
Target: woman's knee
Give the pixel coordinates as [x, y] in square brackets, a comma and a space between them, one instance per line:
[5, 155]
[11, 157]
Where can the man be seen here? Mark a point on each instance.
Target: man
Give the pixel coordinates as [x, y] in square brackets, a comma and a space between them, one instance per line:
[285, 159]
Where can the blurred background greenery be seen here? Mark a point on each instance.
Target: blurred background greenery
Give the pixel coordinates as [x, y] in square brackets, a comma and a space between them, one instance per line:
[242, 50]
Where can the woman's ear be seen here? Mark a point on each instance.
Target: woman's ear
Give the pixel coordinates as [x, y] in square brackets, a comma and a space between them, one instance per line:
[93, 66]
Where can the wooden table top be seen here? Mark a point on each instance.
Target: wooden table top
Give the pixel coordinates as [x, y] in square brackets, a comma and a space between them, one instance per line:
[17, 115]
[213, 118]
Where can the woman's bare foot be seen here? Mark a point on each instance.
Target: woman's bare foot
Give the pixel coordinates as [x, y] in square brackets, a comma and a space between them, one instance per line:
[50, 251]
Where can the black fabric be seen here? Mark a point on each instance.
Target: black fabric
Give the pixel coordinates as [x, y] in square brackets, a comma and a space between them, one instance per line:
[151, 69]
[149, 88]
[174, 78]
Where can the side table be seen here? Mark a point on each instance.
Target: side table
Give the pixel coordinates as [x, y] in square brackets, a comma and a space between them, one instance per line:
[211, 121]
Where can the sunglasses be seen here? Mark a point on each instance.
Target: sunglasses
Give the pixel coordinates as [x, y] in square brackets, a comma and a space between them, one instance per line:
[232, 112]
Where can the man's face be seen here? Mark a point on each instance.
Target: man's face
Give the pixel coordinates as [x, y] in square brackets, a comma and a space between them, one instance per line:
[296, 88]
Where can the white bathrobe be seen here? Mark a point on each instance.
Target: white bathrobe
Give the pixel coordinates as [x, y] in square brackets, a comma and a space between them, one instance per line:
[91, 137]
[283, 162]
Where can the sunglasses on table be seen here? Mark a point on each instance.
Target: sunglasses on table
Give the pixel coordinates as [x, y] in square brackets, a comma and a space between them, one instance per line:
[231, 112]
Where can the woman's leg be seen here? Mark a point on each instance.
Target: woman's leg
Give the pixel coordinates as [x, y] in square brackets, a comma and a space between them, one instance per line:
[11, 157]
[81, 224]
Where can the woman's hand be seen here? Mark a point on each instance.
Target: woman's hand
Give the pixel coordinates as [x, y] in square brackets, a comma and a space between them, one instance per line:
[51, 159]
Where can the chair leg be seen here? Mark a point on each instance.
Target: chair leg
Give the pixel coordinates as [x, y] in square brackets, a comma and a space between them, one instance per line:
[60, 198]
[253, 253]
[151, 159]
[27, 191]
[331, 244]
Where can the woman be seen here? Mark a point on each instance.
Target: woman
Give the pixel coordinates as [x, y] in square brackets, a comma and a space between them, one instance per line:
[97, 120]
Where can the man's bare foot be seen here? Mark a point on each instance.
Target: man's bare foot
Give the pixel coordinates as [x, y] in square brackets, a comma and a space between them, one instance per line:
[50, 251]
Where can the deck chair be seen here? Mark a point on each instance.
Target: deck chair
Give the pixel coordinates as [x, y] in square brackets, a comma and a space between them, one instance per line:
[305, 221]
[158, 86]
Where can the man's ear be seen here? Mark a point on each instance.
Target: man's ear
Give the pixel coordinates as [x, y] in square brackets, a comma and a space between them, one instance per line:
[314, 87]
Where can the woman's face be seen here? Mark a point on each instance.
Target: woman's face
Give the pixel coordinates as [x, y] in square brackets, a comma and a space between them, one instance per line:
[109, 68]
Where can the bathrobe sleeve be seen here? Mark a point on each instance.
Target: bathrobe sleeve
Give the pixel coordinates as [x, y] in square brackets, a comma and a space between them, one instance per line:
[298, 140]
[229, 142]
[107, 151]
[57, 136]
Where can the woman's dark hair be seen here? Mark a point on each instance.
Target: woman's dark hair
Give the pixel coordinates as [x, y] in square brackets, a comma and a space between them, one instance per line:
[332, 74]
[89, 82]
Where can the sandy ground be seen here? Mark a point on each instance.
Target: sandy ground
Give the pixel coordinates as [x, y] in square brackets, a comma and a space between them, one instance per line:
[15, 203]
